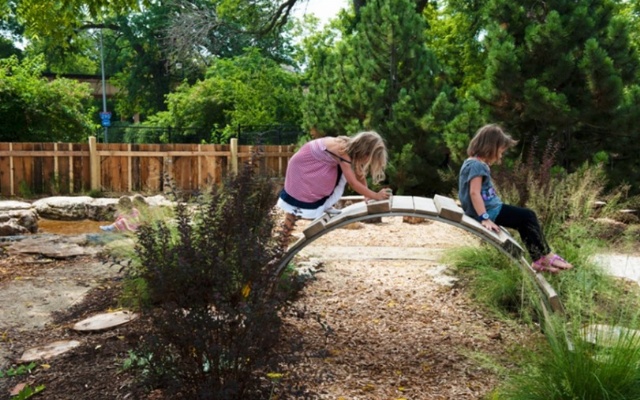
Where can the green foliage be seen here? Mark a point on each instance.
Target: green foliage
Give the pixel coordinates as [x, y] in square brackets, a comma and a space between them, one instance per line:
[494, 281]
[20, 370]
[244, 90]
[565, 72]
[79, 56]
[25, 191]
[581, 371]
[24, 369]
[212, 272]
[557, 197]
[95, 193]
[61, 20]
[381, 76]
[28, 391]
[35, 110]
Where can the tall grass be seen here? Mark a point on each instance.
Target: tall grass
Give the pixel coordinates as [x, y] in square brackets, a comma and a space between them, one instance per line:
[581, 371]
[495, 282]
[558, 198]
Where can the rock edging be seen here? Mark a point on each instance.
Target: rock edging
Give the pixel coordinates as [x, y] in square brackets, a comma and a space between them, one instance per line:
[21, 217]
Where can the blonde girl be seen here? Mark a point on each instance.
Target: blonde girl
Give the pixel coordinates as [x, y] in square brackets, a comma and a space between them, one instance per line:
[319, 171]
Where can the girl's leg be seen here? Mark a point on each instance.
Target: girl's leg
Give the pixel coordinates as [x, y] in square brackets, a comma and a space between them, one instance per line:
[285, 233]
[526, 223]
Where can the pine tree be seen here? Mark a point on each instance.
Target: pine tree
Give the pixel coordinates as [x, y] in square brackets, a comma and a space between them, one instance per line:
[563, 71]
[381, 76]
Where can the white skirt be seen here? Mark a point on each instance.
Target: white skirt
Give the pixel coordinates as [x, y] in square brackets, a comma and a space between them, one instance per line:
[313, 213]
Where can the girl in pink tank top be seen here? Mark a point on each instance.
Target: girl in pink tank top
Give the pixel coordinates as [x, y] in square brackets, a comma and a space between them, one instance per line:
[319, 171]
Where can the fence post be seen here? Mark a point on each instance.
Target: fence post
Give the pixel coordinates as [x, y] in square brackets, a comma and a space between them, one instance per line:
[234, 155]
[94, 164]
[11, 171]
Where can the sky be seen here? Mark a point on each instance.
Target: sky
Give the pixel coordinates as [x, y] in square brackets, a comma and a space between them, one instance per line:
[322, 9]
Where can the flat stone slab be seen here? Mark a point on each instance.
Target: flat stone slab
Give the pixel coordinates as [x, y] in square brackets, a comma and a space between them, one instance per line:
[620, 265]
[105, 321]
[609, 335]
[49, 350]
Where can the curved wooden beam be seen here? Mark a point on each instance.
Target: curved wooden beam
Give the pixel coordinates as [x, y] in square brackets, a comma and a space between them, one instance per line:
[441, 209]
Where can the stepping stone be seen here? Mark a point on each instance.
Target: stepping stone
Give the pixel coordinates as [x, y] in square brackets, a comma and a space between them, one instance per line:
[105, 321]
[609, 336]
[48, 350]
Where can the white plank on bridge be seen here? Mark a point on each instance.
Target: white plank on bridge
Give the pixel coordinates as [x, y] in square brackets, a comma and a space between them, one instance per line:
[425, 206]
[402, 204]
[316, 226]
[379, 206]
[447, 208]
[506, 241]
[545, 287]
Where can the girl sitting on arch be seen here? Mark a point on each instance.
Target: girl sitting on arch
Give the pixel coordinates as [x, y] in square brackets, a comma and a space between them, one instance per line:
[480, 201]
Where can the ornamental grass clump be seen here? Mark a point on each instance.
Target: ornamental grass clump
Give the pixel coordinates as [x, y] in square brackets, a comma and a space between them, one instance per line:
[596, 365]
[209, 293]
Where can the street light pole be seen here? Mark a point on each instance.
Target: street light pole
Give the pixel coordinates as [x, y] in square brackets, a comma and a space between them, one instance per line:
[104, 91]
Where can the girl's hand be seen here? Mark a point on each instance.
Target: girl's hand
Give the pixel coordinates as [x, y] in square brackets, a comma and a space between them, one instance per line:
[490, 225]
[383, 194]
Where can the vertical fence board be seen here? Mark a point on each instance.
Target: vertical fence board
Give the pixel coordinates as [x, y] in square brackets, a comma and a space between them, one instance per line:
[81, 170]
[61, 172]
[5, 172]
[23, 181]
[47, 167]
[151, 169]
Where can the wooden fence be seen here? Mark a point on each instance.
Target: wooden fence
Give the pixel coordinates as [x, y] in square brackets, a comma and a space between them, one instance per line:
[78, 168]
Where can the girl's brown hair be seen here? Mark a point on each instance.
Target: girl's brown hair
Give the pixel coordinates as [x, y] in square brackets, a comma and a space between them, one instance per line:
[368, 154]
[488, 140]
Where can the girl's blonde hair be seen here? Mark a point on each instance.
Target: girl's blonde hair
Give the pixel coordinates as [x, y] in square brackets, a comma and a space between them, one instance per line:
[125, 203]
[488, 141]
[368, 154]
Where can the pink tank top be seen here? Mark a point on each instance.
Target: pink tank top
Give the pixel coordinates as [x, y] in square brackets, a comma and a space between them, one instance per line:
[312, 172]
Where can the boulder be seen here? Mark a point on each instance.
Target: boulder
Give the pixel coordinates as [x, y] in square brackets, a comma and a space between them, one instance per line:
[12, 228]
[63, 208]
[17, 218]
[103, 209]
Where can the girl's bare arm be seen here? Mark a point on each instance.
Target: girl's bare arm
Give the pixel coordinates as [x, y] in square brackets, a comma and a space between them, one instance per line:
[360, 185]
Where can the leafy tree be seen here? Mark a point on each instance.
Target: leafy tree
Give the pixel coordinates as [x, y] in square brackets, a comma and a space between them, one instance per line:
[8, 49]
[455, 28]
[61, 20]
[383, 77]
[245, 90]
[564, 71]
[35, 110]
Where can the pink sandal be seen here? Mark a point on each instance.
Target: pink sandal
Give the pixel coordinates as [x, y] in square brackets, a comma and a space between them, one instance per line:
[558, 262]
[543, 265]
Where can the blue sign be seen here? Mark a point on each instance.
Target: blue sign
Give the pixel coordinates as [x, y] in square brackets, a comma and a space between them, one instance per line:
[106, 118]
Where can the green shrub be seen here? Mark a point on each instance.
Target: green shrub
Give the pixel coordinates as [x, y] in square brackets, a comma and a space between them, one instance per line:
[558, 198]
[208, 278]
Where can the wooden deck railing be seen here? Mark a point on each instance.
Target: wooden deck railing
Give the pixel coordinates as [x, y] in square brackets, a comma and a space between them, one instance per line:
[75, 168]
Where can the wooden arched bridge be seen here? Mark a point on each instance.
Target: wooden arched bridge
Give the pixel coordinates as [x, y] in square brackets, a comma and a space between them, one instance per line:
[440, 208]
